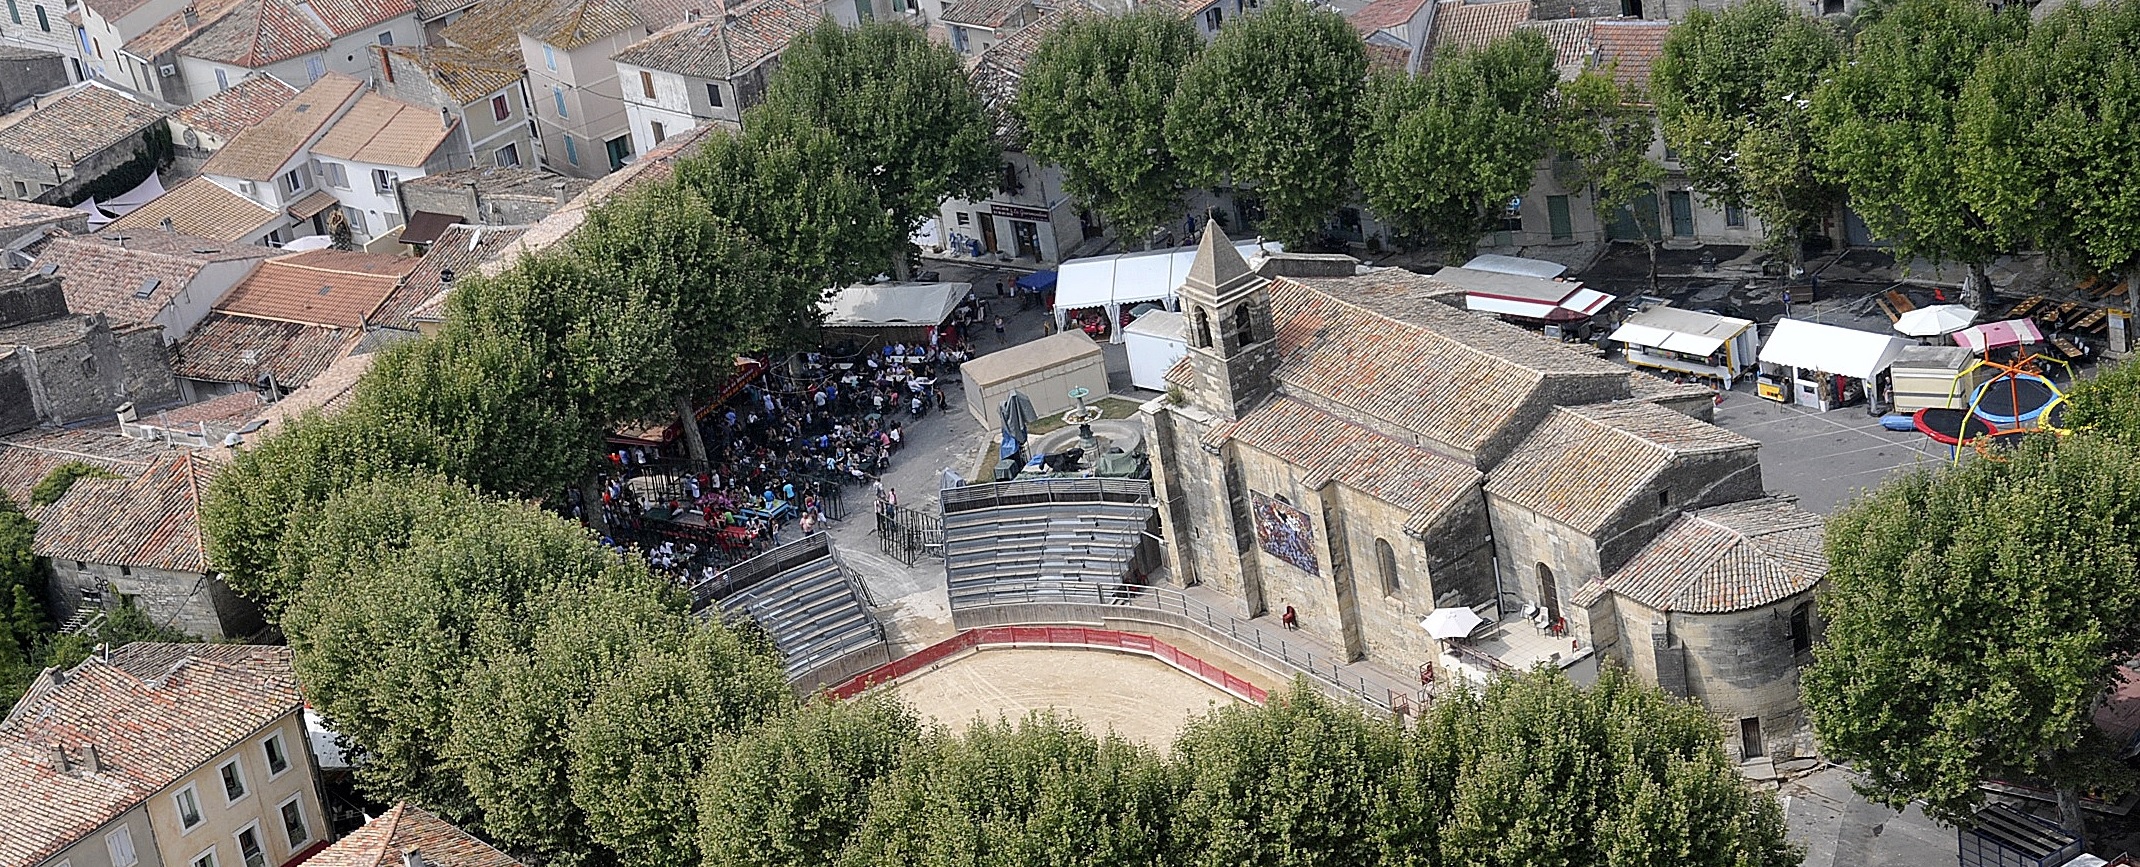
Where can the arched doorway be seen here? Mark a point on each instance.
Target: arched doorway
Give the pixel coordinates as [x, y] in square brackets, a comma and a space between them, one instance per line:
[1548, 592]
[1386, 566]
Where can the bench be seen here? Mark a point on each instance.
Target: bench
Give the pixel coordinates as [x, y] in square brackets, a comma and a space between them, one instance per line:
[1900, 301]
[2024, 307]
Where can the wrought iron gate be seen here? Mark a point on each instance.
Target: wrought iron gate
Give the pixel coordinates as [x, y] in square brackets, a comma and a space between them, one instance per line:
[908, 534]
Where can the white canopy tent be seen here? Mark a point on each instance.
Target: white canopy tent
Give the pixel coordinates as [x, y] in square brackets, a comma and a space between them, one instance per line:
[97, 217]
[1525, 296]
[1830, 349]
[1688, 341]
[131, 200]
[1128, 279]
[893, 305]
[1516, 265]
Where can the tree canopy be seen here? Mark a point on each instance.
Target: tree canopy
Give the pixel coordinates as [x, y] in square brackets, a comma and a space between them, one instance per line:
[1975, 616]
[1271, 106]
[1734, 90]
[900, 109]
[1442, 154]
[793, 191]
[1887, 121]
[1093, 100]
[792, 791]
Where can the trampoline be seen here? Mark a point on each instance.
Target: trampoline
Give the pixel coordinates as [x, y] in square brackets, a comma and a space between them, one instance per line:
[2017, 401]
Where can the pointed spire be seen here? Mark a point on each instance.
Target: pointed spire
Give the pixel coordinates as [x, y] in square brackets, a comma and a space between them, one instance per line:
[1217, 262]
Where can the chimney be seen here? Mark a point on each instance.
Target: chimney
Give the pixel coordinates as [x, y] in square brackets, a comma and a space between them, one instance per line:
[193, 16]
[59, 759]
[557, 191]
[475, 202]
[413, 858]
[55, 675]
[91, 762]
[693, 15]
[445, 117]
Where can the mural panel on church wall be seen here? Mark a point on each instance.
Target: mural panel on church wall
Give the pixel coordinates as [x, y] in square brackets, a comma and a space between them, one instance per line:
[1285, 532]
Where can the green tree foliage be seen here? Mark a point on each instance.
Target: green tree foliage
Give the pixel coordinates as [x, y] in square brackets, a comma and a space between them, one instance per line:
[1299, 781]
[2107, 403]
[1602, 131]
[790, 792]
[900, 108]
[645, 738]
[62, 478]
[1272, 105]
[1975, 617]
[485, 406]
[384, 646]
[1887, 123]
[794, 193]
[23, 627]
[249, 506]
[2046, 138]
[1734, 91]
[1537, 771]
[1093, 100]
[1044, 792]
[1443, 153]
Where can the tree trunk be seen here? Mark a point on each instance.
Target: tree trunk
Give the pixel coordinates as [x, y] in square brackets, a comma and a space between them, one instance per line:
[902, 271]
[2132, 290]
[1977, 290]
[591, 501]
[1650, 246]
[687, 415]
[2069, 810]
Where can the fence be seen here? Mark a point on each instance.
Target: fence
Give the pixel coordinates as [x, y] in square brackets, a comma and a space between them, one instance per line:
[1174, 608]
[1036, 491]
[1055, 636]
[908, 534]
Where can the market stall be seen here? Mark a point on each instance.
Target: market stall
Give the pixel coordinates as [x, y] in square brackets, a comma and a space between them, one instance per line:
[1103, 288]
[1824, 366]
[1561, 306]
[878, 314]
[1155, 342]
[1690, 342]
[1930, 377]
[1998, 335]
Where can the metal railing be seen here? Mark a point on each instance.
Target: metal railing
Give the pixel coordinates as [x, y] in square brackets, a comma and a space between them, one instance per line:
[1182, 611]
[1039, 491]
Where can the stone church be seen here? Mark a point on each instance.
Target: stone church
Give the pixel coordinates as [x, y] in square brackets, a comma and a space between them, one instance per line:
[1350, 444]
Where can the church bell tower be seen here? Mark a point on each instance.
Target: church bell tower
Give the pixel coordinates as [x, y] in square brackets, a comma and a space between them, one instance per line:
[1232, 342]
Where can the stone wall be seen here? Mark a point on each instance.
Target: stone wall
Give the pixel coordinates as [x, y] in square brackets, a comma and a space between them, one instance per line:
[1524, 539]
[188, 601]
[1691, 482]
[144, 367]
[26, 75]
[18, 406]
[1556, 390]
[1739, 665]
[34, 298]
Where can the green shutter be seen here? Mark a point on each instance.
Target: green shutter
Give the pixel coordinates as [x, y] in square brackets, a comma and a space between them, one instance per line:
[13, 14]
[1557, 215]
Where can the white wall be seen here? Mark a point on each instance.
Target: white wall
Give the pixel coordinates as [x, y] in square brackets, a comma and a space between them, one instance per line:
[195, 299]
[56, 36]
[673, 104]
[594, 104]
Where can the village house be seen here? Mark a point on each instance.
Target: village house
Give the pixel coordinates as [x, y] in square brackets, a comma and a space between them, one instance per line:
[706, 69]
[407, 834]
[459, 250]
[148, 277]
[488, 196]
[366, 154]
[58, 366]
[161, 755]
[1352, 448]
[579, 99]
[25, 226]
[287, 322]
[27, 457]
[1029, 217]
[485, 93]
[201, 129]
[65, 140]
[26, 72]
[207, 46]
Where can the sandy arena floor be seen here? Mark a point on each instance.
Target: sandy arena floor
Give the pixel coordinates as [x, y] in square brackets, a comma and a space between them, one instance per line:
[1139, 698]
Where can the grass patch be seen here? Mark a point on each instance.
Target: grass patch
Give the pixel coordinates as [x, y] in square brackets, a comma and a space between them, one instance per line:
[1110, 407]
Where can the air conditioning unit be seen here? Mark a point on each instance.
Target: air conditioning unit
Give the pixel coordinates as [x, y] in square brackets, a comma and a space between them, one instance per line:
[167, 70]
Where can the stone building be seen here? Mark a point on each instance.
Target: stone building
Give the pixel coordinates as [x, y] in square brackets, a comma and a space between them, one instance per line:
[68, 140]
[27, 72]
[57, 366]
[136, 542]
[1347, 445]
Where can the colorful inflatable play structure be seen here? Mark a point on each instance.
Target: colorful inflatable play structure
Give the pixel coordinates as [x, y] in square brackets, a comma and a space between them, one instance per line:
[2018, 400]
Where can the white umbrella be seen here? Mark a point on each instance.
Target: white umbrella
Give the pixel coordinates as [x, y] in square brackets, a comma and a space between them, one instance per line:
[1451, 622]
[1935, 320]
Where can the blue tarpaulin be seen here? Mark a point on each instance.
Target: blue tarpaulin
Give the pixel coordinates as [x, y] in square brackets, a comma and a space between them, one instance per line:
[1038, 281]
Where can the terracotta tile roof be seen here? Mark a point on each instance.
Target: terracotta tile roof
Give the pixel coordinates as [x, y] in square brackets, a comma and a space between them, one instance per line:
[1643, 385]
[405, 827]
[579, 22]
[227, 411]
[1728, 558]
[1473, 25]
[461, 248]
[198, 207]
[259, 153]
[154, 712]
[327, 392]
[99, 275]
[1630, 48]
[503, 182]
[320, 287]
[344, 17]
[654, 165]
[432, 10]
[294, 353]
[384, 132]
[83, 121]
[17, 214]
[723, 47]
[27, 457]
[992, 14]
[173, 30]
[1388, 57]
[492, 26]
[1381, 344]
[49, 333]
[1328, 448]
[466, 75]
[111, 10]
[236, 110]
[1583, 463]
[149, 521]
[1386, 13]
[1570, 38]
[997, 72]
[254, 34]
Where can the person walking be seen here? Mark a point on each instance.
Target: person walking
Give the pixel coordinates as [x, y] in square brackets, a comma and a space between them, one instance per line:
[999, 331]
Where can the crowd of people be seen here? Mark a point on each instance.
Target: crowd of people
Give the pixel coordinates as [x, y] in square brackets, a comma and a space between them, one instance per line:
[776, 452]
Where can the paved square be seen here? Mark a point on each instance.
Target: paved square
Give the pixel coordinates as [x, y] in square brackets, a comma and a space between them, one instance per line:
[1825, 458]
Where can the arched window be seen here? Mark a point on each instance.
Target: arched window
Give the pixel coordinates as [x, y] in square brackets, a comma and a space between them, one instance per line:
[1203, 328]
[1386, 566]
[1244, 323]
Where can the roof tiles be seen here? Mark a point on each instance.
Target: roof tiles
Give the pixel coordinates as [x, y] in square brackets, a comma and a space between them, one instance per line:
[349, 16]
[1728, 558]
[1630, 48]
[992, 14]
[1474, 25]
[198, 207]
[155, 712]
[1328, 448]
[27, 457]
[254, 34]
[322, 287]
[462, 249]
[260, 152]
[75, 126]
[291, 352]
[150, 521]
[580, 22]
[233, 111]
[723, 47]
[102, 275]
[384, 132]
[1584, 463]
[409, 828]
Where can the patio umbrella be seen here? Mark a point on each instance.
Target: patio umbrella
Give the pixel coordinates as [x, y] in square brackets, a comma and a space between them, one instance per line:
[1451, 622]
[1935, 320]
[2012, 332]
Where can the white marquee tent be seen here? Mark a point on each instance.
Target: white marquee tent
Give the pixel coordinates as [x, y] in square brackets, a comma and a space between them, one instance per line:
[1128, 279]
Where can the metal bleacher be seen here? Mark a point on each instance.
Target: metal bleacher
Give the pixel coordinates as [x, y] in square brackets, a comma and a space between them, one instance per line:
[1070, 534]
[797, 593]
